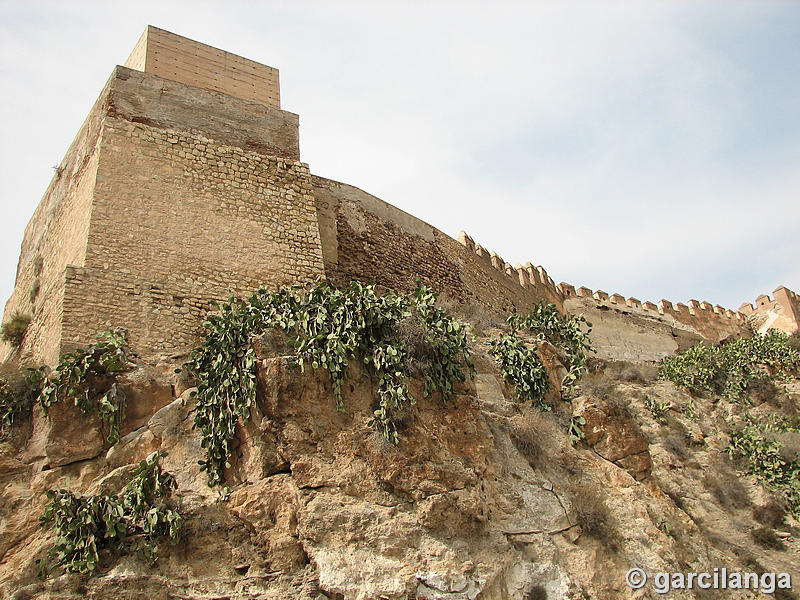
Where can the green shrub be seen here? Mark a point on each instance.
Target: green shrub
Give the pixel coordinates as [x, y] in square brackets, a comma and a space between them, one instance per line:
[19, 391]
[576, 434]
[569, 333]
[695, 368]
[658, 408]
[86, 377]
[754, 442]
[520, 364]
[13, 331]
[136, 518]
[329, 327]
[734, 368]
[522, 367]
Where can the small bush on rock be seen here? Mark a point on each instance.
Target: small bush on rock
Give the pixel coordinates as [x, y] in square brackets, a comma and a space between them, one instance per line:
[658, 408]
[13, 331]
[522, 367]
[734, 369]
[593, 515]
[766, 538]
[794, 341]
[519, 361]
[19, 391]
[568, 333]
[756, 443]
[528, 440]
[771, 514]
[726, 487]
[136, 518]
[86, 377]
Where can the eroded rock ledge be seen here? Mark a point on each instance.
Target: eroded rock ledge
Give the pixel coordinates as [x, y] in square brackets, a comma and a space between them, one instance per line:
[483, 497]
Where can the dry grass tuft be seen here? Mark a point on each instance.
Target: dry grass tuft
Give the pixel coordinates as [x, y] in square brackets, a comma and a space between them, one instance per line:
[593, 515]
[13, 331]
[723, 483]
[766, 538]
[772, 514]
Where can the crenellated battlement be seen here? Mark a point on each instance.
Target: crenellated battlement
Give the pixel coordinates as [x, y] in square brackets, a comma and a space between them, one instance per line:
[782, 311]
[693, 308]
[527, 276]
[712, 321]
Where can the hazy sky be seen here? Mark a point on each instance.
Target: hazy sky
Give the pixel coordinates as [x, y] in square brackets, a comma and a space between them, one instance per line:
[646, 148]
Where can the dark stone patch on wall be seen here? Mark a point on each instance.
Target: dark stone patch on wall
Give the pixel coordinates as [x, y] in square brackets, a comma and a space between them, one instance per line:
[384, 254]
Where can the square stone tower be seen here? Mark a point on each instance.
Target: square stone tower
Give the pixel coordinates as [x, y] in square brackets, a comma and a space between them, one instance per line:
[183, 186]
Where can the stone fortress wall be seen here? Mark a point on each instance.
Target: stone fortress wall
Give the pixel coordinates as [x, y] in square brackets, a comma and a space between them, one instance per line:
[629, 329]
[184, 186]
[782, 312]
[172, 197]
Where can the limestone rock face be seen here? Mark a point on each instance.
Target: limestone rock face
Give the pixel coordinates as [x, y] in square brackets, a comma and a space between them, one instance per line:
[483, 497]
[614, 435]
[145, 392]
[65, 436]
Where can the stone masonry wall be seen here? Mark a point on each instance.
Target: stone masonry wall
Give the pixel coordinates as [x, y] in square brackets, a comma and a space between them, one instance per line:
[530, 284]
[175, 57]
[620, 332]
[628, 329]
[365, 238]
[368, 239]
[713, 323]
[54, 238]
[162, 319]
[184, 196]
[180, 207]
[180, 220]
[146, 98]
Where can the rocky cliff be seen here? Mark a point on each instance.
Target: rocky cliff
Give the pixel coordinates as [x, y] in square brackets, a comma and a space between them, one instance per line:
[484, 496]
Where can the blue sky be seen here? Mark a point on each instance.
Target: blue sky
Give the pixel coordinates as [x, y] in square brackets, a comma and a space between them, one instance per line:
[646, 148]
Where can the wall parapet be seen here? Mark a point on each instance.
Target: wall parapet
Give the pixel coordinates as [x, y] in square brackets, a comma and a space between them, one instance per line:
[713, 320]
[530, 277]
[663, 306]
[782, 311]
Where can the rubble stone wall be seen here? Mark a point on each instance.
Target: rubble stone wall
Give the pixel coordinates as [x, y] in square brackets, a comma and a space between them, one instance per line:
[366, 238]
[185, 196]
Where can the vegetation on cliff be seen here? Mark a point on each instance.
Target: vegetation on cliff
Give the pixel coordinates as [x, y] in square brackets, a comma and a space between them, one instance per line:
[85, 377]
[740, 370]
[763, 447]
[13, 331]
[19, 391]
[313, 503]
[328, 327]
[520, 363]
[136, 518]
[736, 368]
[569, 333]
